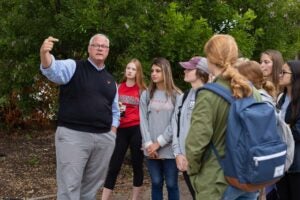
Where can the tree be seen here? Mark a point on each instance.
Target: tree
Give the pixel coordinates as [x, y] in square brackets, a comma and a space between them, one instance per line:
[142, 29]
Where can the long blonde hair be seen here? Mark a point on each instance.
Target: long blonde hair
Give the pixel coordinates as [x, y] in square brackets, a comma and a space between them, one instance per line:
[139, 77]
[169, 85]
[222, 51]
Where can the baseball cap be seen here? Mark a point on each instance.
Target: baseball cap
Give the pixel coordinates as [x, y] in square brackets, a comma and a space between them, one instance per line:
[196, 63]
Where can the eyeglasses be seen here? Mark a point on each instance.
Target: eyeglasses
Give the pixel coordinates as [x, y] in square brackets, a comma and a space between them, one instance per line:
[284, 72]
[98, 46]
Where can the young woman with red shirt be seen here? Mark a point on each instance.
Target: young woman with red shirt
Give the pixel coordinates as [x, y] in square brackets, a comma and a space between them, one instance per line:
[128, 133]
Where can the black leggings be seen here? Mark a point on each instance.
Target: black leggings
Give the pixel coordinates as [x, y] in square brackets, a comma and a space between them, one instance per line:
[126, 137]
[288, 186]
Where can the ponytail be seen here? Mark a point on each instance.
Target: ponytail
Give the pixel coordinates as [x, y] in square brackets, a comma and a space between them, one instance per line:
[239, 85]
[222, 51]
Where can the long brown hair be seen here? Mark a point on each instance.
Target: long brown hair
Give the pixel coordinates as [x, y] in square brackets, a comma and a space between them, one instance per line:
[295, 82]
[139, 77]
[169, 85]
[252, 71]
[278, 61]
[222, 51]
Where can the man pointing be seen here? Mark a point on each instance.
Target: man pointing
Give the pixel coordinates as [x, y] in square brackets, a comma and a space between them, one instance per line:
[87, 118]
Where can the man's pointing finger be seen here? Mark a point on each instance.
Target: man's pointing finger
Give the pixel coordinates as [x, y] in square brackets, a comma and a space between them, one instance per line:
[52, 39]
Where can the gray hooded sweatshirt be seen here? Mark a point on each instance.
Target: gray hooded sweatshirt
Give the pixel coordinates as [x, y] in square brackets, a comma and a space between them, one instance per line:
[155, 122]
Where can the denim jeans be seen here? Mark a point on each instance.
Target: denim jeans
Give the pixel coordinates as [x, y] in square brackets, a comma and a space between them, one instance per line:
[232, 193]
[159, 170]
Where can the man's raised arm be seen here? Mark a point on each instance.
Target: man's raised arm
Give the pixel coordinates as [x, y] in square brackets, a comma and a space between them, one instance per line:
[46, 47]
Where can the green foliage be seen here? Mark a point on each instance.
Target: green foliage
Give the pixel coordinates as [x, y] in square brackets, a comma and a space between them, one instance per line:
[241, 30]
[276, 25]
[33, 160]
[142, 29]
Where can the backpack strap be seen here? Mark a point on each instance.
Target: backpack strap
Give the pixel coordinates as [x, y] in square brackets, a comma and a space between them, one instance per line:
[185, 94]
[217, 154]
[220, 90]
[280, 100]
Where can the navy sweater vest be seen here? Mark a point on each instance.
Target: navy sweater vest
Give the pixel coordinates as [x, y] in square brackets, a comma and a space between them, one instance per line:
[85, 103]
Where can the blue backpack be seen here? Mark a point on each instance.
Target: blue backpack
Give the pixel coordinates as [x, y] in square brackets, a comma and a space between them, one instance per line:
[255, 154]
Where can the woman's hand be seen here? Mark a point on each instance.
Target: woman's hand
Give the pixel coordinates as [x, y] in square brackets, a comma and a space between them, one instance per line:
[153, 155]
[181, 162]
[152, 148]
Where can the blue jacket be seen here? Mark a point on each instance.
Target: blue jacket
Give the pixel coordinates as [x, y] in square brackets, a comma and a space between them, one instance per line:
[295, 167]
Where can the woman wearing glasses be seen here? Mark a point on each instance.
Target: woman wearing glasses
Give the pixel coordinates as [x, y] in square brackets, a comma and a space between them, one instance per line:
[289, 105]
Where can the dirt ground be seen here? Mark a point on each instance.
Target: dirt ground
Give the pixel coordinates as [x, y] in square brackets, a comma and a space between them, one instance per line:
[27, 165]
[27, 169]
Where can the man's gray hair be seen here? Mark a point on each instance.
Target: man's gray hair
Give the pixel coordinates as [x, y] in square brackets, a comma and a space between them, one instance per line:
[98, 35]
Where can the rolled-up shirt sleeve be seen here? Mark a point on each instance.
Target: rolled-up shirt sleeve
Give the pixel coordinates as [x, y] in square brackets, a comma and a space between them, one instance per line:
[116, 111]
[60, 71]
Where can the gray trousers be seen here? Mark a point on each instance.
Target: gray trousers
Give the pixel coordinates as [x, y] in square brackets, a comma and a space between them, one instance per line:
[82, 161]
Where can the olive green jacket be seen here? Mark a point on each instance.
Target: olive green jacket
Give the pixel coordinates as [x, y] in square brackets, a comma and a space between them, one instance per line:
[208, 124]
